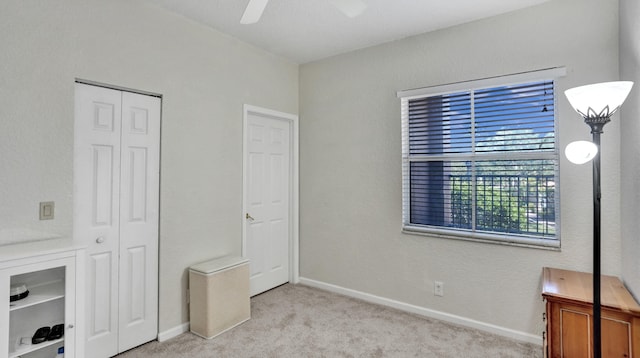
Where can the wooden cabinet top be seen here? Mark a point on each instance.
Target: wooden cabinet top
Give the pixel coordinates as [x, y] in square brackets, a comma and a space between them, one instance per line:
[578, 287]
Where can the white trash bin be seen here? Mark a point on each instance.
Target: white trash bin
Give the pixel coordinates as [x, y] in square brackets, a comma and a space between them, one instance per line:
[219, 295]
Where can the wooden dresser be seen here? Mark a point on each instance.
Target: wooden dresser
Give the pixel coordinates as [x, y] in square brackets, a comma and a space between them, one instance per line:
[569, 301]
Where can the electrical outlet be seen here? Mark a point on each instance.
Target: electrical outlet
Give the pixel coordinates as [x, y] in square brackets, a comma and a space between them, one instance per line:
[438, 288]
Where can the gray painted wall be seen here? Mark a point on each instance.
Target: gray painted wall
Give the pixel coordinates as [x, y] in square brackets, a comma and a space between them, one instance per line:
[204, 76]
[630, 144]
[351, 164]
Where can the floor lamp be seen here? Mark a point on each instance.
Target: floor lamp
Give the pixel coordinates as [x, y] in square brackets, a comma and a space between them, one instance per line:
[596, 104]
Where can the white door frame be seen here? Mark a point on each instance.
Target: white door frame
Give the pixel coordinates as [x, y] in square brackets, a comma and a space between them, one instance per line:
[294, 242]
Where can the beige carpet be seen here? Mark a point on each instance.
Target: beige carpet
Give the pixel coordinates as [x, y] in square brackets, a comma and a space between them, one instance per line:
[300, 321]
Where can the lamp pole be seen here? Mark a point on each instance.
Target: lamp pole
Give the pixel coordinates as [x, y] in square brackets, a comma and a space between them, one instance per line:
[596, 125]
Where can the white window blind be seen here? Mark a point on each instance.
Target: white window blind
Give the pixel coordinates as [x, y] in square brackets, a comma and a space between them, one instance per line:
[483, 163]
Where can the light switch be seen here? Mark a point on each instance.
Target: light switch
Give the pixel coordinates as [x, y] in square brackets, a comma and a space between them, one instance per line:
[47, 210]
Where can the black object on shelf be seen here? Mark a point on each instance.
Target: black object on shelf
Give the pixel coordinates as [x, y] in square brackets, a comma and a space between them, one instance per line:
[40, 335]
[57, 331]
[18, 292]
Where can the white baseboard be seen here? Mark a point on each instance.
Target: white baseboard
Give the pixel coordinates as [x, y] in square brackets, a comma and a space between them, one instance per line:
[443, 316]
[173, 332]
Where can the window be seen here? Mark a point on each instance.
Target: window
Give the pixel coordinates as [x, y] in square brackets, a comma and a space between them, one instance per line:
[482, 163]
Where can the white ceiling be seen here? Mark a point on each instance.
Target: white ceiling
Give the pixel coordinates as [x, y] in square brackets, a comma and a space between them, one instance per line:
[308, 30]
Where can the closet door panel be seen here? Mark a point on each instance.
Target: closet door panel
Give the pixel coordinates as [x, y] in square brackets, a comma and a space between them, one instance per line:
[138, 322]
[96, 209]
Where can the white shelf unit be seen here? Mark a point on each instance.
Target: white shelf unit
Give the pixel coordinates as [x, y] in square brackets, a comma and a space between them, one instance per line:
[52, 278]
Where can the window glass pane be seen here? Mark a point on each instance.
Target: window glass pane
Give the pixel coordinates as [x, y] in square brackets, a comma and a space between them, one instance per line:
[516, 197]
[441, 194]
[440, 124]
[515, 118]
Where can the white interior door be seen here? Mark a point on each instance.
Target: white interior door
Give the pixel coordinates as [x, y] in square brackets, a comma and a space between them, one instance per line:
[267, 200]
[116, 176]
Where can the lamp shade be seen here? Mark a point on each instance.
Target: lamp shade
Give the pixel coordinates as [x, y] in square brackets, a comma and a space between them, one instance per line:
[600, 99]
[580, 152]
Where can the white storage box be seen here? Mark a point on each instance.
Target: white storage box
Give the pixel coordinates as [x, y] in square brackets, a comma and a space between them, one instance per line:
[219, 295]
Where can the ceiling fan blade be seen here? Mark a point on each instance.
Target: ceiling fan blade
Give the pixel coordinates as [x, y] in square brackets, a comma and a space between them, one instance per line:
[253, 12]
[351, 8]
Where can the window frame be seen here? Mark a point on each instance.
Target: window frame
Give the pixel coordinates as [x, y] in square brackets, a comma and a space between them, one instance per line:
[471, 234]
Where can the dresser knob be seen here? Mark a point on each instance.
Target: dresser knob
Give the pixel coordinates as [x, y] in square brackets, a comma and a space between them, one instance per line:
[70, 326]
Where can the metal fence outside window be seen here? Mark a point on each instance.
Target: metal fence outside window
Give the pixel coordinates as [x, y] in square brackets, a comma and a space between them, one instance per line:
[504, 203]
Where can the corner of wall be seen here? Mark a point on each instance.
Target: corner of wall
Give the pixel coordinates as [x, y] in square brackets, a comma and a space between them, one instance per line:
[629, 57]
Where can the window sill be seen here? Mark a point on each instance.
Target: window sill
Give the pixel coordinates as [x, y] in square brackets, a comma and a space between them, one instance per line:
[533, 243]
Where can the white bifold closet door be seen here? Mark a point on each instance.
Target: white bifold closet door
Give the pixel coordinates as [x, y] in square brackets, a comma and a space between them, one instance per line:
[116, 210]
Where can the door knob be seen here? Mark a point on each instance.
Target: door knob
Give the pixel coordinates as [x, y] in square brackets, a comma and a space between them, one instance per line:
[248, 217]
[100, 240]
[70, 326]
